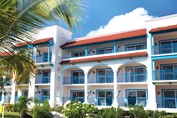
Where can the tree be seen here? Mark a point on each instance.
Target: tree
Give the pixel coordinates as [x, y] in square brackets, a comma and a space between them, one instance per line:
[21, 20]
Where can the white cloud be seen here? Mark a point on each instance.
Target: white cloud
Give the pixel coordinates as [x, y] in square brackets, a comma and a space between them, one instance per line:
[129, 21]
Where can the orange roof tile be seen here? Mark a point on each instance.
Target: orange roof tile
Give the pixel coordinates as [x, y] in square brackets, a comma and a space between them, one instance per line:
[38, 41]
[101, 58]
[119, 36]
[161, 29]
[5, 54]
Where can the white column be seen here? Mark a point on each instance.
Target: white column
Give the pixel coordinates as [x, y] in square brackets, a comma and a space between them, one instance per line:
[12, 100]
[115, 104]
[86, 88]
[19, 93]
[31, 89]
[151, 104]
[61, 89]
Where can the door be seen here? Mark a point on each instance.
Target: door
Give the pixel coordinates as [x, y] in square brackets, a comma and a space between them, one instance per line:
[45, 95]
[169, 99]
[167, 72]
[131, 97]
[46, 77]
[77, 95]
[104, 97]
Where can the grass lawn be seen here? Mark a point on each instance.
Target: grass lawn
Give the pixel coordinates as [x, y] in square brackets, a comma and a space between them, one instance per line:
[10, 115]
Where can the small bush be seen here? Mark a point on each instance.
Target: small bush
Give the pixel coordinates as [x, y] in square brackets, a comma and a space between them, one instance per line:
[42, 111]
[57, 109]
[109, 113]
[78, 110]
[138, 112]
[120, 113]
[8, 107]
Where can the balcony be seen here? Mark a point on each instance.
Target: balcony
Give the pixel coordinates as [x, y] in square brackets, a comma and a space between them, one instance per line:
[106, 50]
[165, 48]
[42, 98]
[166, 102]
[42, 79]
[73, 80]
[169, 74]
[81, 99]
[131, 77]
[100, 79]
[41, 59]
[126, 102]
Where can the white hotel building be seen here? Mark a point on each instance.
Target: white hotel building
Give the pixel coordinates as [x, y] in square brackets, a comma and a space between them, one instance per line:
[136, 67]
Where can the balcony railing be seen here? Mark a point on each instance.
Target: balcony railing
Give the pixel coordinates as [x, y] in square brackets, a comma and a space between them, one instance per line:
[92, 54]
[100, 79]
[166, 102]
[125, 102]
[40, 59]
[81, 99]
[159, 50]
[42, 98]
[165, 74]
[73, 80]
[131, 77]
[42, 79]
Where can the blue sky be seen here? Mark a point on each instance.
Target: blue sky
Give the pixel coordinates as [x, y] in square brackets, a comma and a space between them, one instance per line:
[108, 16]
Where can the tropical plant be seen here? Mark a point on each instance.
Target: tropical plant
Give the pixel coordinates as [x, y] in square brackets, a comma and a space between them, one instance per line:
[77, 109]
[21, 20]
[42, 111]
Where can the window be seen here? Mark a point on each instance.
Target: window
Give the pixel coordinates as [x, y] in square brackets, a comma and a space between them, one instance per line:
[169, 72]
[45, 95]
[104, 50]
[45, 57]
[77, 77]
[168, 46]
[104, 97]
[137, 97]
[135, 47]
[169, 98]
[77, 95]
[136, 74]
[104, 76]
[78, 54]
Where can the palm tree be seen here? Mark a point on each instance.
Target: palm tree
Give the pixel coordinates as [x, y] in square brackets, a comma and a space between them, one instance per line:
[21, 20]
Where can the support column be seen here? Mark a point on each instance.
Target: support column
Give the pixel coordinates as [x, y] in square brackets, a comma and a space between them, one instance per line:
[19, 93]
[86, 88]
[12, 100]
[115, 104]
[61, 89]
[31, 89]
[151, 104]
[48, 56]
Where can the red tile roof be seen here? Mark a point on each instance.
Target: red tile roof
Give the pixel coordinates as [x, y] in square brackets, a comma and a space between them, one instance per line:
[161, 29]
[101, 58]
[5, 54]
[119, 36]
[38, 41]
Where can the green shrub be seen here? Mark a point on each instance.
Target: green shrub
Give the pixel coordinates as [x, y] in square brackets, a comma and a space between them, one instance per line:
[78, 110]
[8, 107]
[57, 109]
[42, 111]
[120, 113]
[21, 106]
[109, 113]
[137, 112]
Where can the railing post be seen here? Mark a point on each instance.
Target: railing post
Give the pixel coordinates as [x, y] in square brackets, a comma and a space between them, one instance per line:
[115, 46]
[86, 51]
